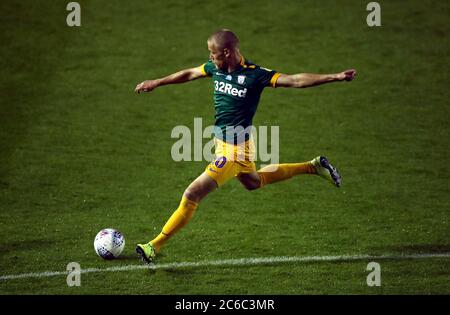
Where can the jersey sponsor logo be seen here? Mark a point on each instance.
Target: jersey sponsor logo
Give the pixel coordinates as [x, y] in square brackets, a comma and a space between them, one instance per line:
[227, 88]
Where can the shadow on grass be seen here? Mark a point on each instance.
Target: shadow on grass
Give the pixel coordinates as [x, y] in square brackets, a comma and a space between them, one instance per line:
[16, 246]
[129, 257]
[135, 258]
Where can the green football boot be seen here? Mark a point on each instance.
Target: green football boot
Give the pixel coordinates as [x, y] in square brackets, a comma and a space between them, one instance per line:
[146, 252]
[327, 171]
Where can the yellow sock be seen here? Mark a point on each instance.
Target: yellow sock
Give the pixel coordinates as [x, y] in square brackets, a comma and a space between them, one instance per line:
[278, 172]
[179, 218]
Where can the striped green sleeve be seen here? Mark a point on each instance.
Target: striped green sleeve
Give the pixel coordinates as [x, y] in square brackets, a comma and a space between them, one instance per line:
[267, 77]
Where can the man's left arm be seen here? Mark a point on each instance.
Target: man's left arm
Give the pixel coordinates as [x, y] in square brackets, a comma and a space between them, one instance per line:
[304, 80]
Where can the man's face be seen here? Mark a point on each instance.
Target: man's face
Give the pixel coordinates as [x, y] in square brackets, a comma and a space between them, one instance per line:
[217, 56]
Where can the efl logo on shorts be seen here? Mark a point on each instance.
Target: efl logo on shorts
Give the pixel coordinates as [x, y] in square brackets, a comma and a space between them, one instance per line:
[227, 88]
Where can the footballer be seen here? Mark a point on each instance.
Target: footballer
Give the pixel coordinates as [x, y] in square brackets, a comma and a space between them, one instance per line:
[238, 84]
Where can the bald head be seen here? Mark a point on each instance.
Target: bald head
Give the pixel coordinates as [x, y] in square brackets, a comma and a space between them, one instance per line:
[224, 38]
[223, 46]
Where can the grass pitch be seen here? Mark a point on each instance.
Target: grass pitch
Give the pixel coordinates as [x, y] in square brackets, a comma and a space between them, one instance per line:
[79, 151]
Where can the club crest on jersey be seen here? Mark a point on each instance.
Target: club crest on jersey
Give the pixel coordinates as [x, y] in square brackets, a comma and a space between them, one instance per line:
[241, 79]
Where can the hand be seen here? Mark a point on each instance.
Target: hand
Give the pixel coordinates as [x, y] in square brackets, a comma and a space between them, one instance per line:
[347, 75]
[146, 86]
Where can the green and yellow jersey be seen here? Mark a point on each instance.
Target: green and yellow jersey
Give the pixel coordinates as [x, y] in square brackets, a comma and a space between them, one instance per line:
[236, 97]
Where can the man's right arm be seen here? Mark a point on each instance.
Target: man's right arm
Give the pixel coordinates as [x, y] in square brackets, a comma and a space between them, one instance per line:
[178, 77]
[304, 80]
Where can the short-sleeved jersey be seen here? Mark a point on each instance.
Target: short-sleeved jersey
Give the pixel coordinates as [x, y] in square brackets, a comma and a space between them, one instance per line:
[236, 97]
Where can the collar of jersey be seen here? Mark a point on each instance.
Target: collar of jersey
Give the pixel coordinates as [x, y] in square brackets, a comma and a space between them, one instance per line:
[241, 63]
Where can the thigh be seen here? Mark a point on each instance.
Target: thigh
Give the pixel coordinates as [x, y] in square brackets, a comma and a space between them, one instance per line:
[221, 170]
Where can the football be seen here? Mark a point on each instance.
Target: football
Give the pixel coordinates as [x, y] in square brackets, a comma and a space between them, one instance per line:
[109, 243]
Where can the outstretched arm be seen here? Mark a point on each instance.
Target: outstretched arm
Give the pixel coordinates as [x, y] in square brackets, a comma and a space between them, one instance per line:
[304, 80]
[178, 77]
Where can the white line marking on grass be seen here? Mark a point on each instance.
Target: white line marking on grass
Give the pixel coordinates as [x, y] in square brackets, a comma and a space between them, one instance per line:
[231, 262]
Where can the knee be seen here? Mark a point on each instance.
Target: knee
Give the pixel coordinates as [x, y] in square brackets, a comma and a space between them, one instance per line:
[192, 194]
